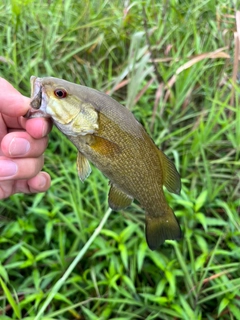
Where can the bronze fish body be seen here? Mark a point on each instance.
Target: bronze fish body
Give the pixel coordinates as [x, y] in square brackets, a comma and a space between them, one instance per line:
[108, 135]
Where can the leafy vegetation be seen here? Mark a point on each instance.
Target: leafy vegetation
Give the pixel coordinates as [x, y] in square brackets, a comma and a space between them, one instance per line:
[171, 62]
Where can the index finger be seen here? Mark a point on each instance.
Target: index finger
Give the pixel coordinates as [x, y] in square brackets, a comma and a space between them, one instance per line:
[12, 102]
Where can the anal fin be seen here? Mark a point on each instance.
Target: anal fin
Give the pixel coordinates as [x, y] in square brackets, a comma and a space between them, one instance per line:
[117, 199]
[171, 177]
[83, 167]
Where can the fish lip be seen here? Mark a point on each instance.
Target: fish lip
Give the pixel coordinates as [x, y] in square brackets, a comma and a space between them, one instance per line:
[38, 103]
[37, 100]
[36, 92]
[32, 113]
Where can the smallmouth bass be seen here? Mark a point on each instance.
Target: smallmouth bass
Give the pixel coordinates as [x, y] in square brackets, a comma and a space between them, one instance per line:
[108, 135]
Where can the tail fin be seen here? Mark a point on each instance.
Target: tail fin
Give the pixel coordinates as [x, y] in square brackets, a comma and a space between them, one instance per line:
[161, 228]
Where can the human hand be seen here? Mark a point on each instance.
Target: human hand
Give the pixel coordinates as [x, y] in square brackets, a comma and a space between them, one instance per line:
[22, 143]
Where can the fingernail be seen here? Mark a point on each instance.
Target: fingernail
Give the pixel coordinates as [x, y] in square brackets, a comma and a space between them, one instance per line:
[8, 168]
[18, 147]
[42, 181]
[44, 129]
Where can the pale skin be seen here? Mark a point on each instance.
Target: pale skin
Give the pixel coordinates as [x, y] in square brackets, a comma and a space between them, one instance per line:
[22, 143]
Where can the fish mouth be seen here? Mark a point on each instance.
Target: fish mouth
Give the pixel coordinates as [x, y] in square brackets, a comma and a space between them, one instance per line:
[38, 103]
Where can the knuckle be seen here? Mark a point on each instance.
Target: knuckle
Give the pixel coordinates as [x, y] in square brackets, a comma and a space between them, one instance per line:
[5, 192]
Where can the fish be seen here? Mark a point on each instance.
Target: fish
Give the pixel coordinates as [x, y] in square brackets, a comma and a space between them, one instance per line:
[109, 136]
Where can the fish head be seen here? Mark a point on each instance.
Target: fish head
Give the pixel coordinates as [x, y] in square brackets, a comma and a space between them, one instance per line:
[63, 102]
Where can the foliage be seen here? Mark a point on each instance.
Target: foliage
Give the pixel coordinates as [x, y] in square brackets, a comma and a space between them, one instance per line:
[146, 54]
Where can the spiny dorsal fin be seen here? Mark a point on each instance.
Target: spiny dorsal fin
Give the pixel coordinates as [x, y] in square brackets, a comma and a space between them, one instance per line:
[171, 177]
[83, 167]
[117, 199]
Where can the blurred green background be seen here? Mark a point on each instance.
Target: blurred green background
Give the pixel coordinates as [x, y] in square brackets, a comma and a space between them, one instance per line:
[171, 63]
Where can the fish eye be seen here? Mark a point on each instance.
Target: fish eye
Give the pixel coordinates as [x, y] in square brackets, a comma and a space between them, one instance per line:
[60, 93]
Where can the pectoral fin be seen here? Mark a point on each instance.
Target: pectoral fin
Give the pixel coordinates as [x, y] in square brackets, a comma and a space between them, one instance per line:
[83, 167]
[117, 199]
[104, 147]
[171, 177]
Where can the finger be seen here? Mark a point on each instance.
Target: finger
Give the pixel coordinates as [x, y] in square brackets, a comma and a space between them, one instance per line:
[3, 128]
[38, 127]
[40, 183]
[13, 103]
[13, 122]
[15, 169]
[6, 189]
[21, 144]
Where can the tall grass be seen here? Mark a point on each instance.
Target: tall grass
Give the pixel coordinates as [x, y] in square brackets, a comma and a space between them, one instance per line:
[146, 54]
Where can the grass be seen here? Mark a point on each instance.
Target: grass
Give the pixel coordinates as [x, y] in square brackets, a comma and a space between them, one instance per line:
[147, 55]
